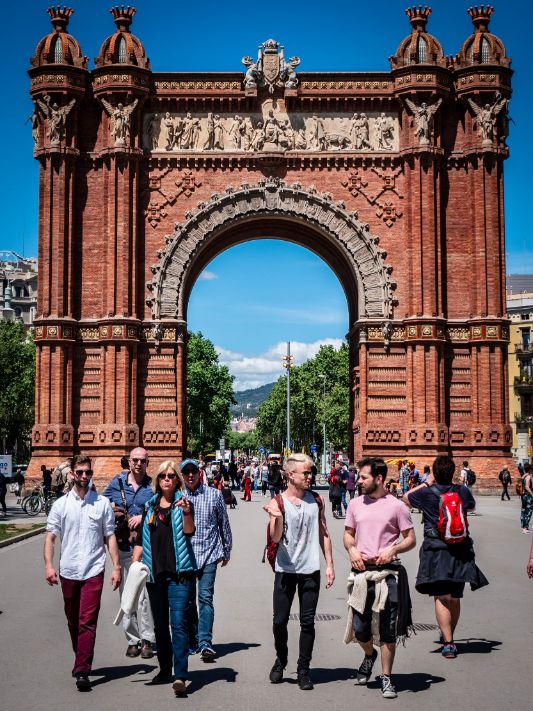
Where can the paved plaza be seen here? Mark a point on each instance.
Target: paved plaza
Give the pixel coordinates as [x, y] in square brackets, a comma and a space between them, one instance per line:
[495, 636]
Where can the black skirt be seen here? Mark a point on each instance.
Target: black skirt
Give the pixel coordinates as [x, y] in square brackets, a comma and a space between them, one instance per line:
[451, 563]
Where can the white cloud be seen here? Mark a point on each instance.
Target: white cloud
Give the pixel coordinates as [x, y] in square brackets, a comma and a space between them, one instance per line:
[207, 276]
[253, 371]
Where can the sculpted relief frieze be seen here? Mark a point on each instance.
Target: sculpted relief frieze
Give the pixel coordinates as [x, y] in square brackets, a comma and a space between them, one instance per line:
[273, 129]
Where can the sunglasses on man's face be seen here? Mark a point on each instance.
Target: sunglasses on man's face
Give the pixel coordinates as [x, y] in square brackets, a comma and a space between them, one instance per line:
[81, 472]
[189, 471]
[138, 461]
[167, 476]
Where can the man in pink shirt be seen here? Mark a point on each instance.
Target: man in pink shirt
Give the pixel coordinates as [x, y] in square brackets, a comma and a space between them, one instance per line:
[373, 526]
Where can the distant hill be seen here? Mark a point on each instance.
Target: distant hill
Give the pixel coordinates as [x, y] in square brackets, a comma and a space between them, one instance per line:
[248, 401]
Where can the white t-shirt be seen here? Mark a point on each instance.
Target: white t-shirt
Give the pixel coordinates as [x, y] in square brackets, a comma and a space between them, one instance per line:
[299, 552]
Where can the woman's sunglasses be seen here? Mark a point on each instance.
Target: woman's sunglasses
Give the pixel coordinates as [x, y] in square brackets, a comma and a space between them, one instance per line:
[167, 476]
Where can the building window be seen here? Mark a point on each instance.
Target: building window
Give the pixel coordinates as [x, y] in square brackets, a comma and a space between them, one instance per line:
[122, 57]
[526, 336]
[525, 369]
[485, 51]
[58, 50]
[421, 50]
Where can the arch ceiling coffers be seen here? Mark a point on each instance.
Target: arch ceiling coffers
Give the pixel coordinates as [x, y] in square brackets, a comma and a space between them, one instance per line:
[272, 198]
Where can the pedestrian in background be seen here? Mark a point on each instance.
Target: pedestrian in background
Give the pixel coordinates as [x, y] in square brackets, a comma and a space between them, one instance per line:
[129, 492]
[527, 499]
[19, 481]
[3, 492]
[85, 523]
[351, 483]
[335, 494]
[505, 479]
[211, 542]
[274, 479]
[47, 481]
[164, 544]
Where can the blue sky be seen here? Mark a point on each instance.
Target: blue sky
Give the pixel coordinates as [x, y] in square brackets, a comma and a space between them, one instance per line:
[254, 312]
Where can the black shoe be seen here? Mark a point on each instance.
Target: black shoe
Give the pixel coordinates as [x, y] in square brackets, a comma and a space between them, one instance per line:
[365, 670]
[83, 683]
[161, 678]
[133, 650]
[146, 650]
[207, 654]
[304, 682]
[276, 673]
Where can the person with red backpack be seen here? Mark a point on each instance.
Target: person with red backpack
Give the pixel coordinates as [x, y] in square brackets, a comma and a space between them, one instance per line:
[296, 532]
[447, 560]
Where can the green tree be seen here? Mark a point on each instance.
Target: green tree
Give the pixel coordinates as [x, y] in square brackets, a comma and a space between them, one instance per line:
[17, 387]
[209, 395]
[310, 405]
[242, 440]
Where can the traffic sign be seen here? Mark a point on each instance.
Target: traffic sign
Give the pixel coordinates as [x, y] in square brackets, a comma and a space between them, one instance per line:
[314, 448]
[261, 450]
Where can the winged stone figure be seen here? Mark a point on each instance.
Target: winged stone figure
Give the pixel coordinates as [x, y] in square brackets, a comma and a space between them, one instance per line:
[423, 117]
[120, 120]
[56, 117]
[486, 117]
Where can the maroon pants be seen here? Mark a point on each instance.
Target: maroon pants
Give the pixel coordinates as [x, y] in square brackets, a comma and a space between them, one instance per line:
[82, 605]
[247, 490]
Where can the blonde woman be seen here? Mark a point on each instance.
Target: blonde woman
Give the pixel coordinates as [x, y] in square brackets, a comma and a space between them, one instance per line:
[163, 544]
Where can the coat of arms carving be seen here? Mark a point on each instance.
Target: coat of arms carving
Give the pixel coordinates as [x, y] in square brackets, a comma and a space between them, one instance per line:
[270, 69]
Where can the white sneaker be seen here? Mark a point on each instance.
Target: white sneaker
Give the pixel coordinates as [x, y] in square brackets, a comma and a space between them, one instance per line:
[387, 689]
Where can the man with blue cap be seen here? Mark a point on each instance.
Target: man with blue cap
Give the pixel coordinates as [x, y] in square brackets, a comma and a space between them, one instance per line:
[211, 542]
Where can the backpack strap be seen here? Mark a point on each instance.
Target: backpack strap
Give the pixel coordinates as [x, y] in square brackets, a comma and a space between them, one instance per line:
[318, 500]
[281, 506]
[122, 493]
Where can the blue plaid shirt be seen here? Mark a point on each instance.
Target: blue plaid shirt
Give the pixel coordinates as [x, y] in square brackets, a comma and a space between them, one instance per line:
[212, 540]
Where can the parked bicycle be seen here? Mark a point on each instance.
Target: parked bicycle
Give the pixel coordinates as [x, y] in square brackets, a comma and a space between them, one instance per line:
[36, 502]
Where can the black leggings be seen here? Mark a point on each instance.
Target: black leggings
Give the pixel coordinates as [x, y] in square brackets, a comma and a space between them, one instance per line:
[285, 586]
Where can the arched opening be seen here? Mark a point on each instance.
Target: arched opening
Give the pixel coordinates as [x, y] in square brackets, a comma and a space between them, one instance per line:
[57, 50]
[122, 51]
[249, 302]
[271, 209]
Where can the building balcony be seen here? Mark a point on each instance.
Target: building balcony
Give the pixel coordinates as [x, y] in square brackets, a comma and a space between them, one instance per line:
[523, 383]
[524, 348]
[524, 420]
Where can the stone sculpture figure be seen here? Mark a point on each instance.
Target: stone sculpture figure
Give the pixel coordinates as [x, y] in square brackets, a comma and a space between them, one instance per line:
[486, 117]
[359, 132]
[272, 129]
[218, 136]
[120, 120]
[168, 123]
[209, 142]
[258, 138]
[34, 119]
[287, 73]
[239, 133]
[252, 73]
[384, 131]
[187, 132]
[317, 134]
[56, 117]
[153, 130]
[423, 118]
[300, 141]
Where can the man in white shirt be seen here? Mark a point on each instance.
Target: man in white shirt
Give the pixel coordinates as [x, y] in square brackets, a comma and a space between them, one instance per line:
[85, 523]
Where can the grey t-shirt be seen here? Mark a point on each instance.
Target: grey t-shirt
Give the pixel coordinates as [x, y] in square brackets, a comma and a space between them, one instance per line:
[300, 551]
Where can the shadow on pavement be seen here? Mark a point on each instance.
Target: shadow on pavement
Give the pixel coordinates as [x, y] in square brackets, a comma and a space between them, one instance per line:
[414, 682]
[113, 673]
[210, 675]
[477, 646]
[321, 675]
[232, 647]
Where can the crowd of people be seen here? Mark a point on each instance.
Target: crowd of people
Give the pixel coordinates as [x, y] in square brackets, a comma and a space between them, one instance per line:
[167, 534]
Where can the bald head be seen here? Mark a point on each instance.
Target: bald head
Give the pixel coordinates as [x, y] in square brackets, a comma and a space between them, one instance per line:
[138, 462]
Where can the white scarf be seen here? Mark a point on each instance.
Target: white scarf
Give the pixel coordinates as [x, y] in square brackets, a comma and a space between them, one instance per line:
[357, 588]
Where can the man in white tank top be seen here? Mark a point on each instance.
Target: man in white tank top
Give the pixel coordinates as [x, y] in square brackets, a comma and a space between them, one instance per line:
[301, 531]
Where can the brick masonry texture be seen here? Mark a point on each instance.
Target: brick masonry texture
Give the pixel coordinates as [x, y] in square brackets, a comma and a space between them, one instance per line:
[106, 381]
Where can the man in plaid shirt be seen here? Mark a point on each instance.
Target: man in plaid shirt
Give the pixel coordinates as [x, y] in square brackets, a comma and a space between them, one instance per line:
[211, 543]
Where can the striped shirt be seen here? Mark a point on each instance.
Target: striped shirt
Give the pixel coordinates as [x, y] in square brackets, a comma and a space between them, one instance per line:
[212, 540]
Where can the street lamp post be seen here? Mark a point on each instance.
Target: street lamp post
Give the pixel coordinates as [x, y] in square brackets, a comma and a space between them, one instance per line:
[288, 364]
[323, 379]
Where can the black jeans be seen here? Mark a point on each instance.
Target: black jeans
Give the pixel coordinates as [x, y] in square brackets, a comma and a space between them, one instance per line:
[285, 586]
[505, 492]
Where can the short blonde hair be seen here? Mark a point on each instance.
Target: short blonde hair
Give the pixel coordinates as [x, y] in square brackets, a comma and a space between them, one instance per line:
[296, 458]
[162, 469]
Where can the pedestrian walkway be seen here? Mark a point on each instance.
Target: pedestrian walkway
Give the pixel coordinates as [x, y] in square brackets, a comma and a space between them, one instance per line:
[488, 674]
